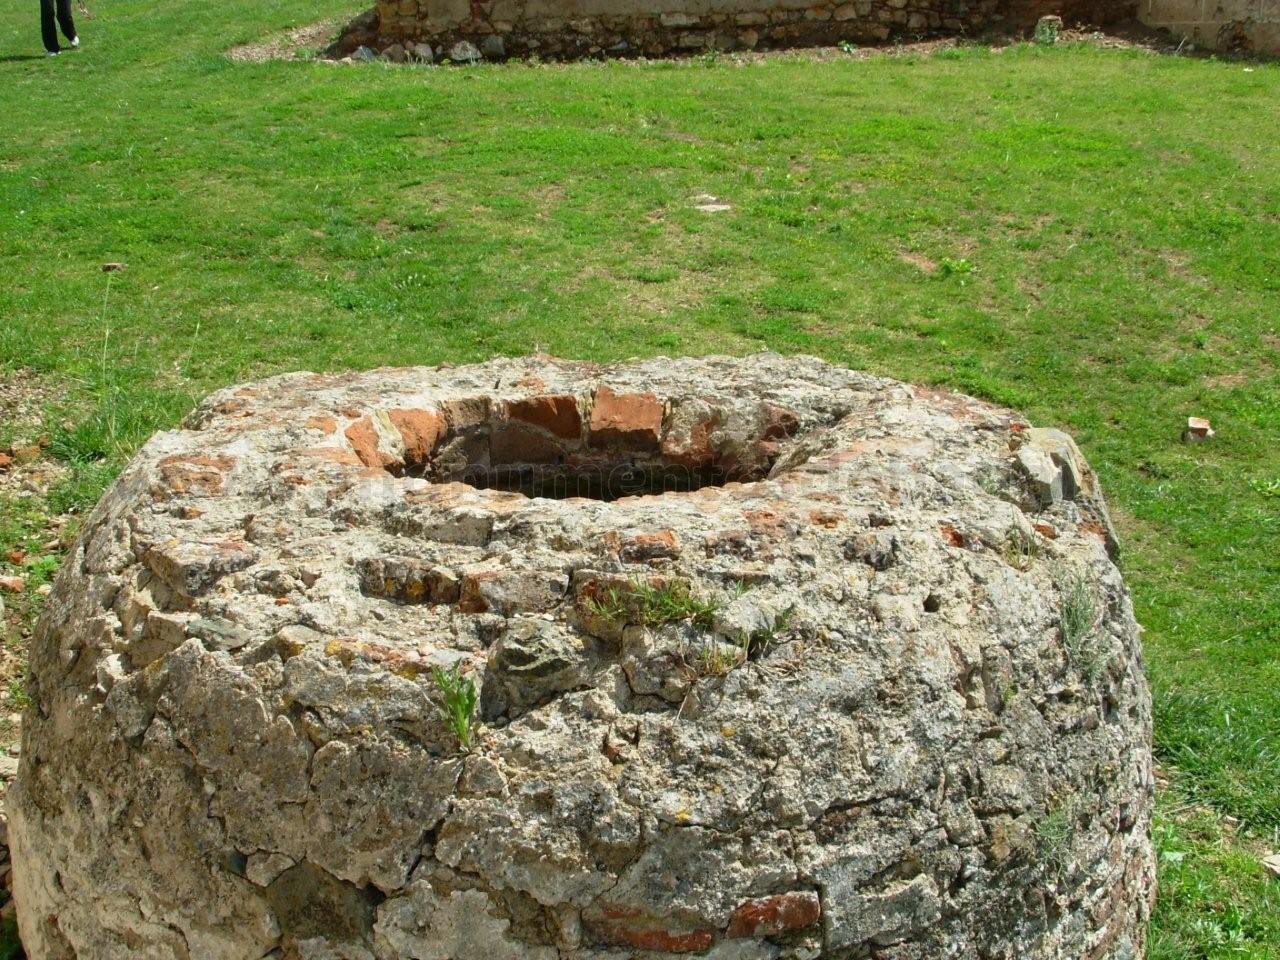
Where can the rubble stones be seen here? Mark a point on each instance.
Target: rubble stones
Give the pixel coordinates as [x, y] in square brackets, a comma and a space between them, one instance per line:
[464, 51]
[1198, 430]
[758, 679]
[493, 47]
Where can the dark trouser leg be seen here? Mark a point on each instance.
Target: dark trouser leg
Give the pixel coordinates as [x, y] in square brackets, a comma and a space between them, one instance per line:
[48, 29]
[64, 19]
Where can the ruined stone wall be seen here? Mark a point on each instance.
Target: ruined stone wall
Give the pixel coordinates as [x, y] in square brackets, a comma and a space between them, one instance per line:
[576, 28]
[654, 27]
[1251, 26]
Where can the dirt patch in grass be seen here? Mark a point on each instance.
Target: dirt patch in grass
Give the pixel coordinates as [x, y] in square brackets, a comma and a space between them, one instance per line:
[300, 43]
[919, 260]
[1226, 381]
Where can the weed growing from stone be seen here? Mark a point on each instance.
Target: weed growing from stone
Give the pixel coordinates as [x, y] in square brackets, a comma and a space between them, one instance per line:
[761, 641]
[1054, 832]
[459, 707]
[715, 659]
[1079, 611]
[1020, 548]
[647, 605]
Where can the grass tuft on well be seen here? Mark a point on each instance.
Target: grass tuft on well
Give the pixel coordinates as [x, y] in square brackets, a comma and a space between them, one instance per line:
[458, 707]
[651, 604]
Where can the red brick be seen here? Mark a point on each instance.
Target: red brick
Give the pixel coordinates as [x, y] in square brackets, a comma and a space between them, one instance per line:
[636, 929]
[952, 535]
[364, 441]
[634, 419]
[558, 414]
[826, 518]
[322, 422]
[420, 430]
[6, 461]
[330, 455]
[771, 916]
[199, 475]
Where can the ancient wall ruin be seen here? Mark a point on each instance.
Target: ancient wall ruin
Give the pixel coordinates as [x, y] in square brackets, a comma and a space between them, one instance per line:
[581, 28]
[1242, 26]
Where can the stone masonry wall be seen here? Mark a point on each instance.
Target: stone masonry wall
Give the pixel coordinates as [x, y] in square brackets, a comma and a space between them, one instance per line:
[577, 28]
[1251, 26]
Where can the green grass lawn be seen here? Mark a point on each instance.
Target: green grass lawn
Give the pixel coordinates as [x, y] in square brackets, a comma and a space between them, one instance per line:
[1091, 236]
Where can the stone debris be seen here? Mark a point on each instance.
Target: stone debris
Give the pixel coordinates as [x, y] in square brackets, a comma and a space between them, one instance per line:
[1271, 864]
[756, 677]
[706, 203]
[1048, 29]
[1198, 430]
[423, 53]
[13, 584]
[464, 51]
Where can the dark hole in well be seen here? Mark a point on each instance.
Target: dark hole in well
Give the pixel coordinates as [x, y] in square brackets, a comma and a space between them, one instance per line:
[499, 452]
[607, 481]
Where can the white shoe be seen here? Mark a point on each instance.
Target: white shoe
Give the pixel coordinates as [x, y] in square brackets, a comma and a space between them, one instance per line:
[51, 53]
[75, 42]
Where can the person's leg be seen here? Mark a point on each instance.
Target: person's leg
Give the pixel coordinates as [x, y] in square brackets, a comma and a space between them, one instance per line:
[65, 21]
[48, 29]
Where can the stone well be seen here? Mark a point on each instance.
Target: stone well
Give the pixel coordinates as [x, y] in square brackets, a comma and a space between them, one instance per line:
[775, 660]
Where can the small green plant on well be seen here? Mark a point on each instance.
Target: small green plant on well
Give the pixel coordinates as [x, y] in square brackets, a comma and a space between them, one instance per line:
[1076, 620]
[1020, 548]
[715, 659]
[1054, 832]
[649, 605]
[760, 641]
[459, 707]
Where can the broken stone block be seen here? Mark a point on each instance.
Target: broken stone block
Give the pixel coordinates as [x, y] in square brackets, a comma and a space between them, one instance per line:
[1198, 430]
[1048, 29]
[1043, 475]
[464, 51]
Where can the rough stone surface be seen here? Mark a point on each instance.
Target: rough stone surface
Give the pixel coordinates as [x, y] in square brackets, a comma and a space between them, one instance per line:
[805, 703]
